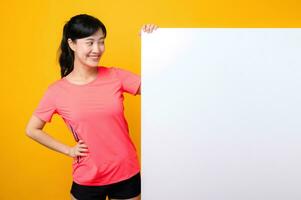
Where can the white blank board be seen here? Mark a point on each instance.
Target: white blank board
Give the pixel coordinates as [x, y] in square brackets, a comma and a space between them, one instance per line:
[221, 114]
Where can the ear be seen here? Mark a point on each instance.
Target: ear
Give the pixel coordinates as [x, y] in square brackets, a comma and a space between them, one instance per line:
[71, 44]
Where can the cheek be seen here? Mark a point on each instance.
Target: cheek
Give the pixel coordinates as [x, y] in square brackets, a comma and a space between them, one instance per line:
[83, 52]
[102, 48]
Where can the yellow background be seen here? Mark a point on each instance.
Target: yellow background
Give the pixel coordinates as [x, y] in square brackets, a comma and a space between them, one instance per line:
[30, 35]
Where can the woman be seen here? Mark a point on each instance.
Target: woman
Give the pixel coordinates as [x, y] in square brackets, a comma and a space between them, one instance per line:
[89, 98]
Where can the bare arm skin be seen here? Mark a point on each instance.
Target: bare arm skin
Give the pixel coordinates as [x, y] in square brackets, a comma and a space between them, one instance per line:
[34, 130]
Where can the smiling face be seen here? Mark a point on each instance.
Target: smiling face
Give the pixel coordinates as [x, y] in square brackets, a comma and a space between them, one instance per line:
[88, 50]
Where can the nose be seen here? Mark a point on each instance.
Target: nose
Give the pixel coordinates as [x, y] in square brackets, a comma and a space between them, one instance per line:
[97, 48]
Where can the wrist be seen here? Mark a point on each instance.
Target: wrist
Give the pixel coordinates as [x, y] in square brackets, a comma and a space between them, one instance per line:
[67, 151]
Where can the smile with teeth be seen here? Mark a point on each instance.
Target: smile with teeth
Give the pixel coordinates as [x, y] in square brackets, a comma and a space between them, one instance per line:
[94, 57]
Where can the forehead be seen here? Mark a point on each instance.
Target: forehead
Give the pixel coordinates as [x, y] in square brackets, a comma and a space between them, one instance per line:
[96, 36]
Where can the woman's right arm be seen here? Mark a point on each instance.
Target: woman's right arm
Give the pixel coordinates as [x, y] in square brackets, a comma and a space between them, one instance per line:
[34, 130]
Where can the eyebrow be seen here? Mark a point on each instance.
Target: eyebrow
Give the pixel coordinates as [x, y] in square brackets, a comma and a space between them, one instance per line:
[98, 39]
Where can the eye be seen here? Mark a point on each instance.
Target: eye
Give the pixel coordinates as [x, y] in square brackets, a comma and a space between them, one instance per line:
[90, 43]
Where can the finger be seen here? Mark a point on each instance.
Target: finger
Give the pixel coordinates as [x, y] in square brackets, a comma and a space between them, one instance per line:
[82, 146]
[151, 27]
[82, 154]
[155, 27]
[83, 150]
[145, 28]
[78, 151]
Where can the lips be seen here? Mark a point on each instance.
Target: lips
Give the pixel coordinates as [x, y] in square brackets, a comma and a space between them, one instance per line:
[94, 57]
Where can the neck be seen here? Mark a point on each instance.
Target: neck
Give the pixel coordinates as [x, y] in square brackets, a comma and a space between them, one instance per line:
[83, 72]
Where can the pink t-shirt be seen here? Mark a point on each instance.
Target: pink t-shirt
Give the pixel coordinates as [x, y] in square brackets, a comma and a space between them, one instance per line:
[94, 113]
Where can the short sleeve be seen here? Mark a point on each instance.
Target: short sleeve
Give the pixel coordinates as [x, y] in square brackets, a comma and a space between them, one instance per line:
[46, 107]
[130, 82]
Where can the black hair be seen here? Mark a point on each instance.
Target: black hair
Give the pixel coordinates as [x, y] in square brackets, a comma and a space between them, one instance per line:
[77, 27]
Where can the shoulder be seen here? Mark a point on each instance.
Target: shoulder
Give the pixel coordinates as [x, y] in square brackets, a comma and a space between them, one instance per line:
[53, 88]
[54, 85]
[109, 70]
[121, 72]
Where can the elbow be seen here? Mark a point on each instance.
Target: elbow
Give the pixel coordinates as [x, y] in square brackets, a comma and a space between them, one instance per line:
[33, 126]
[29, 132]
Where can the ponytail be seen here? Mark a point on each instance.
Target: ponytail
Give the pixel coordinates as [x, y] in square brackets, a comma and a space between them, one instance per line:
[66, 58]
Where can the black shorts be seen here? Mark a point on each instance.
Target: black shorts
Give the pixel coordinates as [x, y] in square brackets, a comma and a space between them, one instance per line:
[126, 189]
